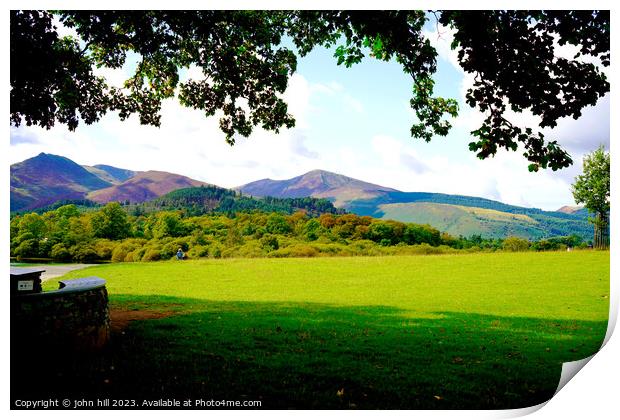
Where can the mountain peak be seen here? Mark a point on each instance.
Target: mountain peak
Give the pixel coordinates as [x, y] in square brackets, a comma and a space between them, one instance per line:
[49, 156]
[319, 172]
[317, 183]
[319, 179]
[576, 210]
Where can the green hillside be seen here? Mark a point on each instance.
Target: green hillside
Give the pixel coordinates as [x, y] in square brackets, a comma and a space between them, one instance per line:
[466, 221]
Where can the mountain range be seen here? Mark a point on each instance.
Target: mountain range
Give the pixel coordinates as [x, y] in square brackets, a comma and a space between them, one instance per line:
[45, 179]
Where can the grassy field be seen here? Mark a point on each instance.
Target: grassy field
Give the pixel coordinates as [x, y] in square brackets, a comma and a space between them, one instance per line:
[446, 331]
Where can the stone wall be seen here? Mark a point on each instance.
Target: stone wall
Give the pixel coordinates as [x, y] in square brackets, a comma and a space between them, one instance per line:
[74, 317]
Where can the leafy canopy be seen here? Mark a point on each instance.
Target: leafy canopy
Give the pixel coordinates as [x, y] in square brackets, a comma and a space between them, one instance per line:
[111, 222]
[246, 67]
[592, 188]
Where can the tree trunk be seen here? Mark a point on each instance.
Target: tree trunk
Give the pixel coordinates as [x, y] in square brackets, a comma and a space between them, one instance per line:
[601, 231]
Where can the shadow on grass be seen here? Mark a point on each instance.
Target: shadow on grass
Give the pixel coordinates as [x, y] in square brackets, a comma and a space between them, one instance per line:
[297, 355]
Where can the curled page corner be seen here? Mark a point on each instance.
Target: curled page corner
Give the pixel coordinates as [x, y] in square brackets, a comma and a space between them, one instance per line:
[613, 318]
[569, 370]
[519, 412]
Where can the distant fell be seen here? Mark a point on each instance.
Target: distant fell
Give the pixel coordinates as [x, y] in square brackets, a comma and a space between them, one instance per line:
[340, 189]
[143, 187]
[46, 178]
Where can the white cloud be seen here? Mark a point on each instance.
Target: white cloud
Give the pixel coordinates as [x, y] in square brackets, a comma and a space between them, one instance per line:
[337, 92]
[298, 144]
[441, 38]
[588, 132]
[330, 88]
[570, 133]
[191, 73]
[503, 178]
[114, 77]
[353, 104]
[63, 30]
[297, 96]
[186, 143]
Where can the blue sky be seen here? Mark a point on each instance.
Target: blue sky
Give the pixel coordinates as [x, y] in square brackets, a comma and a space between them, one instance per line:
[352, 121]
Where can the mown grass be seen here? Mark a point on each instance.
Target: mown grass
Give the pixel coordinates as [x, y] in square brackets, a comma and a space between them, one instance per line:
[445, 331]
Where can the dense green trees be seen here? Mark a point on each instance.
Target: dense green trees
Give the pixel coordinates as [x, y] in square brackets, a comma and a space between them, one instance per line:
[196, 201]
[246, 67]
[592, 188]
[108, 233]
[111, 222]
[164, 224]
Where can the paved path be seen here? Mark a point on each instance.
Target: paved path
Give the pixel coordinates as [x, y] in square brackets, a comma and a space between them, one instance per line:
[57, 270]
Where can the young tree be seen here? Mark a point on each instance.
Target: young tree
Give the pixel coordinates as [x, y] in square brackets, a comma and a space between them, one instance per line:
[592, 188]
[512, 55]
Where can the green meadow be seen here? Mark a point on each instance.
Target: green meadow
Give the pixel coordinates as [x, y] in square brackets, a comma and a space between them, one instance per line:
[442, 331]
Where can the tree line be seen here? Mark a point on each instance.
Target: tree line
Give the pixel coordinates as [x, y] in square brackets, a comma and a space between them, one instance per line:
[112, 234]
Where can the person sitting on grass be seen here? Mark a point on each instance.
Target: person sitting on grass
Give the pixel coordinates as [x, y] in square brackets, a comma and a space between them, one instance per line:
[180, 254]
